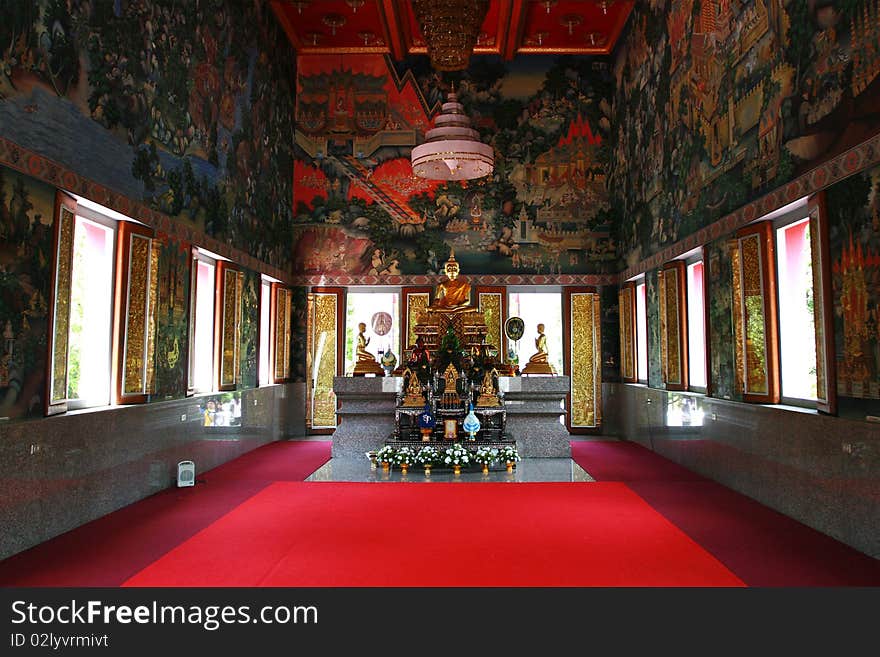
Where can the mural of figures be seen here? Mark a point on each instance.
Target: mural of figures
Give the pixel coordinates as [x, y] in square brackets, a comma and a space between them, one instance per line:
[360, 210]
[26, 211]
[719, 101]
[187, 106]
[172, 311]
[854, 227]
[610, 334]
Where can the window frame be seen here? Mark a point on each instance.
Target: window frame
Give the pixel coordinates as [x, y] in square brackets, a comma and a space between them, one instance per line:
[265, 281]
[626, 308]
[688, 262]
[89, 214]
[198, 255]
[642, 281]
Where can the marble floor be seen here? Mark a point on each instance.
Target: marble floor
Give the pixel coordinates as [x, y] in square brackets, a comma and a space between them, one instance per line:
[527, 470]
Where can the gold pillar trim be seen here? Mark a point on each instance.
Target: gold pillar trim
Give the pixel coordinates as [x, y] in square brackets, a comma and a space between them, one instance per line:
[136, 315]
[627, 336]
[754, 322]
[416, 303]
[490, 304]
[61, 328]
[584, 329]
[737, 316]
[818, 266]
[324, 360]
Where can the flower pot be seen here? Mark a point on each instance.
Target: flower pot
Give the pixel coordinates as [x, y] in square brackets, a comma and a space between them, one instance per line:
[404, 468]
[510, 466]
[386, 466]
[485, 468]
[427, 469]
[456, 469]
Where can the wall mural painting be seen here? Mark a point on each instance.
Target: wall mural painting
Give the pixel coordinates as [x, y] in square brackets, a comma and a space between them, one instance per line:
[298, 332]
[719, 290]
[360, 210]
[854, 228]
[26, 211]
[250, 328]
[172, 309]
[719, 101]
[187, 106]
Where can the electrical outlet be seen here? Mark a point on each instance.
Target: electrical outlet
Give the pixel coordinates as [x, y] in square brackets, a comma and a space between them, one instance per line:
[183, 417]
[255, 402]
[714, 417]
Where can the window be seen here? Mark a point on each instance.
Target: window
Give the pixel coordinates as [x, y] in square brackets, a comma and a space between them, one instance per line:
[282, 306]
[537, 308]
[380, 311]
[696, 327]
[642, 331]
[797, 335]
[265, 331]
[201, 372]
[91, 311]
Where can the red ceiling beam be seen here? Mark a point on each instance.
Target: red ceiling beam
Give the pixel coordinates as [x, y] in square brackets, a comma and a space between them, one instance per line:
[517, 28]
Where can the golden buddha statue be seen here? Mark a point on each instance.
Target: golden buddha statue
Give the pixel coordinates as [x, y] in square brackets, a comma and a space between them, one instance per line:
[539, 363]
[488, 393]
[365, 361]
[453, 294]
[413, 397]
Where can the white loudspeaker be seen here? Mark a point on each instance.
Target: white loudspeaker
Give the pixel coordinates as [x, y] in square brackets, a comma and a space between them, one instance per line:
[186, 474]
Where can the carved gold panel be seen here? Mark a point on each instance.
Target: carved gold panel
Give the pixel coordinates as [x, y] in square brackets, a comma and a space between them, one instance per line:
[61, 328]
[737, 315]
[754, 346]
[137, 316]
[324, 328]
[490, 304]
[584, 328]
[672, 327]
[416, 302]
[230, 335]
[625, 303]
[282, 333]
[824, 393]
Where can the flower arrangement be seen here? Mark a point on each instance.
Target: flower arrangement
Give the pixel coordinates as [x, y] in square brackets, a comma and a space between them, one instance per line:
[403, 454]
[386, 454]
[508, 453]
[485, 455]
[457, 455]
[427, 455]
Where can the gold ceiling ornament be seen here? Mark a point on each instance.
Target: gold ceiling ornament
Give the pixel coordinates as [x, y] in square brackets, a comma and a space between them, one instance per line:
[300, 5]
[571, 21]
[452, 149]
[355, 5]
[333, 21]
[548, 4]
[450, 29]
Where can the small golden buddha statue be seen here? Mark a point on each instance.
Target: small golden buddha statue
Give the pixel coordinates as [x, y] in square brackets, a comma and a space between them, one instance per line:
[488, 393]
[413, 397]
[539, 363]
[365, 362]
[453, 294]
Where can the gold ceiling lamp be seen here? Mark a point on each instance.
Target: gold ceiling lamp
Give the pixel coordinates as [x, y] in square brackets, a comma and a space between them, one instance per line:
[450, 28]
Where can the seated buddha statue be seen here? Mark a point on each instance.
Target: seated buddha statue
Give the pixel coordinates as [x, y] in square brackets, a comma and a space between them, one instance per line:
[365, 362]
[362, 342]
[452, 294]
[539, 363]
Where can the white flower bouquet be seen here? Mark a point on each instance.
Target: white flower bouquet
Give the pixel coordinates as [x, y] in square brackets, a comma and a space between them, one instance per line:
[428, 455]
[486, 455]
[386, 454]
[509, 454]
[456, 455]
[403, 454]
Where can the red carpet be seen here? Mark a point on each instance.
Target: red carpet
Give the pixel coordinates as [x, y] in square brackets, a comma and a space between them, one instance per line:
[367, 534]
[108, 550]
[762, 546]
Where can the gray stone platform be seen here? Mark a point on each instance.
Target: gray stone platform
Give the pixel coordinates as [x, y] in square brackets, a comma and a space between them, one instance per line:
[535, 410]
[366, 413]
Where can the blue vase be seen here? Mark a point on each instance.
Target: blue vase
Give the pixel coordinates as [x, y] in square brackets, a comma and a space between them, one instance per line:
[471, 424]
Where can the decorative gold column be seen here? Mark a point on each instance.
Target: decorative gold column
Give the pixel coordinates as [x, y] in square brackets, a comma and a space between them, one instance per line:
[491, 302]
[65, 218]
[324, 361]
[583, 315]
